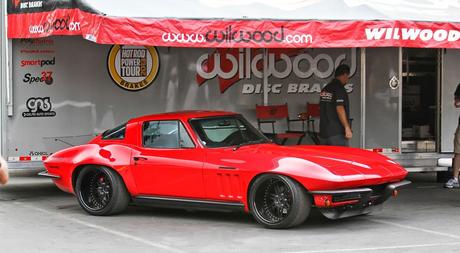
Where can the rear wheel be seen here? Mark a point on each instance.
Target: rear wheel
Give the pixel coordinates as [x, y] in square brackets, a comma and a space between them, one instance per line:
[277, 201]
[101, 191]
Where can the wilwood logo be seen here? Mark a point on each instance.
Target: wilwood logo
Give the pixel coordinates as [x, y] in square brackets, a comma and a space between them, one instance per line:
[412, 34]
[229, 35]
[133, 68]
[39, 107]
[56, 25]
[40, 62]
[231, 66]
[46, 77]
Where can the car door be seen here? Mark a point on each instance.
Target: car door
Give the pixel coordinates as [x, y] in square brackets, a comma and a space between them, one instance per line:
[167, 162]
[222, 171]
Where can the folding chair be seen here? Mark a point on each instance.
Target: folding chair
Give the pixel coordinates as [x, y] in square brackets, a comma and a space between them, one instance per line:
[269, 114]
[311, 115]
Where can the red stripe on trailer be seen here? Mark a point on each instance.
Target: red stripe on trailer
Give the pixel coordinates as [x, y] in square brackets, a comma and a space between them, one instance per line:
[25, 158]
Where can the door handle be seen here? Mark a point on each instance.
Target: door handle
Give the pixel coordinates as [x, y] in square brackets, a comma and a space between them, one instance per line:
[138, 158]
[227, 168]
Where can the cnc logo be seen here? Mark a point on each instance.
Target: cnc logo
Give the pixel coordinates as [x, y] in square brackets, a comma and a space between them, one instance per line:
[39, 107]
[46, 78]
[133, 68]
[39, 62]
[57, 24]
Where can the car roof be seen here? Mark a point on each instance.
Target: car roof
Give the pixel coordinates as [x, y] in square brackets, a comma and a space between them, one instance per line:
[184, 115]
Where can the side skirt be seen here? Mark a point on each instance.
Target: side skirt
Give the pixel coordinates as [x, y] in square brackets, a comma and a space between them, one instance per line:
[185, 203]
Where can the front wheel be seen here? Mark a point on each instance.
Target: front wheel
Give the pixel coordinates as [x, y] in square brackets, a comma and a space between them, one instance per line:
[101, 191]
[277, 201]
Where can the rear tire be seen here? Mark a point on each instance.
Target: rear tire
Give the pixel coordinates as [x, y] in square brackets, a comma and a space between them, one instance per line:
[101, 191]
[278, 202]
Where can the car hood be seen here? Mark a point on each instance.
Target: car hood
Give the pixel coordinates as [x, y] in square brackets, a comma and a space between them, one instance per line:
[351, 163]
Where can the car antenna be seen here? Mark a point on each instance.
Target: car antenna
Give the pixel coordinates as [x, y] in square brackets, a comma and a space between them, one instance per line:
[70, 144]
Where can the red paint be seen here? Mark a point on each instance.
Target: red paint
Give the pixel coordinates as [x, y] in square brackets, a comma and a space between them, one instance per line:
[222, 174]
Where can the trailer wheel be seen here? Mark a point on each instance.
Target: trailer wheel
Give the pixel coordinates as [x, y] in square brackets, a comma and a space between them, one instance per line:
[101, 191]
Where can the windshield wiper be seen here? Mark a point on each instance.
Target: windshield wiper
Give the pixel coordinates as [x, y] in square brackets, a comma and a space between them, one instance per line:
[250, 143]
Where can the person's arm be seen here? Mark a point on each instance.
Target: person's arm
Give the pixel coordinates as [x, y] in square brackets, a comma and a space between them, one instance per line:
[344, 120]
[339, 98]
[3, 171]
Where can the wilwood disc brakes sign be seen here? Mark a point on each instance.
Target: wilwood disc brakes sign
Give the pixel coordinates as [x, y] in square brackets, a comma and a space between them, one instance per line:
[133, 68]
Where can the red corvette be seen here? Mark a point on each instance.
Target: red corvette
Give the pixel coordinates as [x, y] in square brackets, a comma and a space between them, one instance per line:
[209, 159]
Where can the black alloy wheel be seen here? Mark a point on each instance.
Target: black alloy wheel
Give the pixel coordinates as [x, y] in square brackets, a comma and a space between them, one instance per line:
[101, 191]
[277, 201]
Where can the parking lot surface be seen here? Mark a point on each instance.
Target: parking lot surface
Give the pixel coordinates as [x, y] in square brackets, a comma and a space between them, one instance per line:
[35, 216]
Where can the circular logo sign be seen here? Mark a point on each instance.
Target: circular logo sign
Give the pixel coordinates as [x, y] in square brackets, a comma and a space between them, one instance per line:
[394, 82]
[133, 68]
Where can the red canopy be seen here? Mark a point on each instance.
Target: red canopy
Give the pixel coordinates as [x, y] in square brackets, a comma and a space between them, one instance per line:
[271, 25]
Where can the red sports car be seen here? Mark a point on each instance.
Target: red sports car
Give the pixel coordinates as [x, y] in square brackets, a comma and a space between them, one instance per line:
[217, 160]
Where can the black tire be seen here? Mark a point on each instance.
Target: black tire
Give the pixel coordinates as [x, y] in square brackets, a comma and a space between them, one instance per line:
[289, 204]
[101, 191]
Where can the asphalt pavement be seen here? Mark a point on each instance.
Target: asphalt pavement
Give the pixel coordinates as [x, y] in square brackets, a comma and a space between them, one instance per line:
[35, 216]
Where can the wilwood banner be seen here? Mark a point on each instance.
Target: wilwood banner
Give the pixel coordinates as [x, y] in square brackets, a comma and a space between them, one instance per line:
[33, 19]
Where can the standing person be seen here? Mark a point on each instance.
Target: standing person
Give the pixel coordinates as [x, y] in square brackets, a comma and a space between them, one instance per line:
[453, 182]
[3, 171]
[334, 123]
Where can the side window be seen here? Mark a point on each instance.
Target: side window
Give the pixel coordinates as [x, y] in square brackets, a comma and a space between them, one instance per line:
[185, 140]
[116, 133]
[165, 134]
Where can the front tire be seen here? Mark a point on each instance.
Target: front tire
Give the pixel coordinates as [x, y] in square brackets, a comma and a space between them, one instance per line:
[101, 191]
[277, 201]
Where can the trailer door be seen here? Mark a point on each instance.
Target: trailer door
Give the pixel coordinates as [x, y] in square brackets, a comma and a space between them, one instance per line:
[382, 101]
[449, 114]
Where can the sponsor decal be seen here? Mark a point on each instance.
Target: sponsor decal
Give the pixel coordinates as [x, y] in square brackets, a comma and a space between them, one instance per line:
[39, 107]
[39, 153]
[133, 68]
[37, 51]
[58, 24]
[228, 35]
[38, 62]
[411, 34]
[27, 4]
[394, 83]
[37, 42]
[232, 65]
[45, 77]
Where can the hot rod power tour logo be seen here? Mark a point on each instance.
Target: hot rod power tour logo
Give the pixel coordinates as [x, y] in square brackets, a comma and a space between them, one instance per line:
[232, 65]
[133, 68]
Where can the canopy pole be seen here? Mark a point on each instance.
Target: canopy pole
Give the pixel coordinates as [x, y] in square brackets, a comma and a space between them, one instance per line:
[265, 77]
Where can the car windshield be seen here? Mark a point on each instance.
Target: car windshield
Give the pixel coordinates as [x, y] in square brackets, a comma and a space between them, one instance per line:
[227, 131]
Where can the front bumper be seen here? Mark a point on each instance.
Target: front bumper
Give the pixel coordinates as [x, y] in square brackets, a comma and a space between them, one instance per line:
[337, 204]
